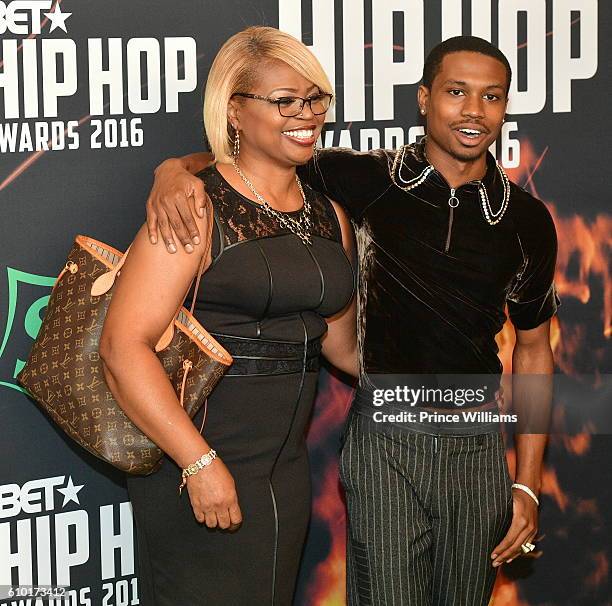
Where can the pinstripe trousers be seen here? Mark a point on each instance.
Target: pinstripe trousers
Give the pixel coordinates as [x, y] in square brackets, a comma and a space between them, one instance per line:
[424, 514]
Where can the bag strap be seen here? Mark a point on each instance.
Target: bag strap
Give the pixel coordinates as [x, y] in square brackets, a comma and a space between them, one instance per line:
[167, 335]
[203, 260]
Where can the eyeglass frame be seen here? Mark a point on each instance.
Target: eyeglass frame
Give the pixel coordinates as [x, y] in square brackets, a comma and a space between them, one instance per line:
[276, 102]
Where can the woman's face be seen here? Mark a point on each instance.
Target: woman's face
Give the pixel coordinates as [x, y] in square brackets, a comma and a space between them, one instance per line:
[264, 133]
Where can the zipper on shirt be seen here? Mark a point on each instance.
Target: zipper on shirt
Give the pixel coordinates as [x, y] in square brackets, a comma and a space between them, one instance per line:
[453, 202]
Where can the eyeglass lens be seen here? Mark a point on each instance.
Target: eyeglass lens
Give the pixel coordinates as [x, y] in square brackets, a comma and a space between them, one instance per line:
[293, 107]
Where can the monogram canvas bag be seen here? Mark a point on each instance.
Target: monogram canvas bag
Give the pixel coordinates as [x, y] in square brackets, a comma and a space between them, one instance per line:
[64, 373]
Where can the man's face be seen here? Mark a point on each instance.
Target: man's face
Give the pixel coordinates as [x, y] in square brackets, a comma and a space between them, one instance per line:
[466, 104]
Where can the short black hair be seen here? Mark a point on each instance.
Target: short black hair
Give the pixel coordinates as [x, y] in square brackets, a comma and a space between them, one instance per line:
[458, 44]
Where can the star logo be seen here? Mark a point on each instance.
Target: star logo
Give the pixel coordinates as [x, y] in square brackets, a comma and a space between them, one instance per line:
[70, 492]
[58, 19]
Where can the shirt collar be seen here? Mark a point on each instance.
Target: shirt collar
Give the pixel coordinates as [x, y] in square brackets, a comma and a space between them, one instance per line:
[415, 166]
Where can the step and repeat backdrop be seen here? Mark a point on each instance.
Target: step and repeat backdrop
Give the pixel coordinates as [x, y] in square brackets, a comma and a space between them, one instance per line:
[93, 95]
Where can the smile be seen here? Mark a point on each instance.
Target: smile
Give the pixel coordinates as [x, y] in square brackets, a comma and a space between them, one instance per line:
[299, 134]
[470, 132]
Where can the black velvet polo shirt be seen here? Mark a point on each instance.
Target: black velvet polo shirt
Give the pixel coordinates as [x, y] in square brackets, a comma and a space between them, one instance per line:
[435, 277]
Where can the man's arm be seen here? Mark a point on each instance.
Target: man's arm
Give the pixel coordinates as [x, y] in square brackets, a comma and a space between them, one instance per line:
[339, 345]
[353, 179]
[532, 367]
[168, 205]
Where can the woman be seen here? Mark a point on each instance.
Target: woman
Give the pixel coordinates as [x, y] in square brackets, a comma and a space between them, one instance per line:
[278, 289]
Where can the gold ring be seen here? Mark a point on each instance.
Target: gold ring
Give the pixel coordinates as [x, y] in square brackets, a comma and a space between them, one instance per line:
[527, 547]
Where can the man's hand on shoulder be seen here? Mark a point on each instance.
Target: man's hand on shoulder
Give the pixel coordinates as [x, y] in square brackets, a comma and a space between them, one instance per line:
[174, 199]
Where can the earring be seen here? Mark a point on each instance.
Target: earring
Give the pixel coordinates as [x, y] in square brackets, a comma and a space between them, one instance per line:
[237, 144]
[423, 110]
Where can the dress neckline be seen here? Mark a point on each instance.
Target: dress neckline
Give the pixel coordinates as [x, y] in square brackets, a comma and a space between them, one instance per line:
[252, 202]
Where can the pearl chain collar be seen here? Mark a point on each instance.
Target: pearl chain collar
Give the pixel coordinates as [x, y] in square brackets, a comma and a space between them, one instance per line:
[492, 218]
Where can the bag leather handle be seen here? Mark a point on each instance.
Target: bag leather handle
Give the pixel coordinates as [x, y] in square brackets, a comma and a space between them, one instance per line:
[105, 282]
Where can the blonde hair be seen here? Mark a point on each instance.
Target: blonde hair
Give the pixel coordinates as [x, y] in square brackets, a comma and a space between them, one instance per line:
[234, 70]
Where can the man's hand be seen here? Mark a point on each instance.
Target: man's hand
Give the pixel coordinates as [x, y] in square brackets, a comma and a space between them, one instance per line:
[175, 196]
[523, 529]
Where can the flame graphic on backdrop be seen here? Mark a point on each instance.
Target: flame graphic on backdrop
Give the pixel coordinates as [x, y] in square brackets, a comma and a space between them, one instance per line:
[506, 593]
[329, 577]
[327, 582]
[602, 567]
[583, 244]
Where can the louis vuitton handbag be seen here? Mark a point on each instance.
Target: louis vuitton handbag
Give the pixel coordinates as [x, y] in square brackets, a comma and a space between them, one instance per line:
[64, 373]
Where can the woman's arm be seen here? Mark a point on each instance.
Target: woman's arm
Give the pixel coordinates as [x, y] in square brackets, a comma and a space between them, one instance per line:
[151, 287]
[340, 342]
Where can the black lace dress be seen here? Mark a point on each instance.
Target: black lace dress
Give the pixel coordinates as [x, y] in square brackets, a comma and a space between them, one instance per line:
[265, 298]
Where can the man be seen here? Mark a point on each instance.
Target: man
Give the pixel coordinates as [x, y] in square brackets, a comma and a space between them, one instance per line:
[445, 243]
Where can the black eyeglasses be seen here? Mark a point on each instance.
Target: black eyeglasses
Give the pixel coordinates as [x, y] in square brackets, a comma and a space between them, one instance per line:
[289, 107]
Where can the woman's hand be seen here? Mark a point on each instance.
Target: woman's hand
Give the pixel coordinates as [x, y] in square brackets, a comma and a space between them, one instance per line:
[175, 196]
[213, 497]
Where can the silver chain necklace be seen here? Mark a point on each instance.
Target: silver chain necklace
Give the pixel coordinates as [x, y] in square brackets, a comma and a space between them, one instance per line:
[300, 227]
[492, 217]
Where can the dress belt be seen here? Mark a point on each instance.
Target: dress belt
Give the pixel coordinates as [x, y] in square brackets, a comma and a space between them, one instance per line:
[253, 357]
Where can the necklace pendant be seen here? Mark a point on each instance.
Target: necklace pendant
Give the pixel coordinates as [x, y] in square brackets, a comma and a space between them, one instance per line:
[300, 227]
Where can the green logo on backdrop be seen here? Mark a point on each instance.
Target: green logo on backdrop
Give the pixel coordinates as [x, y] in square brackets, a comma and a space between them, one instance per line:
[32, 320]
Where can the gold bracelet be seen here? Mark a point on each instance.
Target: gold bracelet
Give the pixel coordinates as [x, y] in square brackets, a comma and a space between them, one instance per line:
[204, 461]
